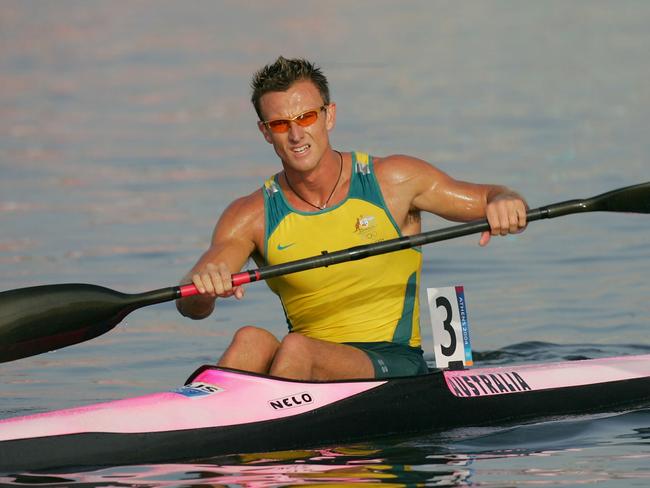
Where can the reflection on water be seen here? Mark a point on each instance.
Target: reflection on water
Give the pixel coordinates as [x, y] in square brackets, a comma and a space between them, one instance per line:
[488, 456]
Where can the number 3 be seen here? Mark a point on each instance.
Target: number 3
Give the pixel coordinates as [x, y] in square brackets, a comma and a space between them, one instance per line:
[444, 303]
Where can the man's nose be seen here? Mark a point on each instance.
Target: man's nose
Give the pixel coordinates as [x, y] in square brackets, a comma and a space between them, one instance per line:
[295, 132]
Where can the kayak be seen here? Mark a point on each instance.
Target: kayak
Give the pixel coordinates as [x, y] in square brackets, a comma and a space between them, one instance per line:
[223, 411]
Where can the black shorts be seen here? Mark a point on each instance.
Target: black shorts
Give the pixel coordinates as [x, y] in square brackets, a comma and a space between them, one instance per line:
[390, 359]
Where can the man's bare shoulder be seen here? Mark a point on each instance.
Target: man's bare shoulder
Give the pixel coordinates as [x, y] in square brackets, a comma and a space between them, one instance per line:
[401, 168]
[247, 206]
[243, 219]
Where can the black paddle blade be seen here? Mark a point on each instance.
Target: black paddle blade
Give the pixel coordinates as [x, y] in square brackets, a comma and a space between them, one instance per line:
[43, 318]
[629, 199]
[632, 199]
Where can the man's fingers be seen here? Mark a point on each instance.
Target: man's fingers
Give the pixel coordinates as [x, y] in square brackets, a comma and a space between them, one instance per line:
[485, 239]
[239, 292]
[505, 217]
[214, 280]
[514, 221]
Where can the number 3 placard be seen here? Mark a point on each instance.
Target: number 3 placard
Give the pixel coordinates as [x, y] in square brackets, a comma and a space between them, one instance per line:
[448, 312]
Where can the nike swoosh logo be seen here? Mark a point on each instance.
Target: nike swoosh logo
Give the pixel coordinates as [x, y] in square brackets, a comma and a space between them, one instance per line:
[282, 248]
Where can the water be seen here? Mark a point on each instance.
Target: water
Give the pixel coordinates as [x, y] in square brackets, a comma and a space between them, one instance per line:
[125, 130]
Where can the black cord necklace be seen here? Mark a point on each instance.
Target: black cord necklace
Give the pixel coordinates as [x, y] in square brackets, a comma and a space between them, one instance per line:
[324, 206]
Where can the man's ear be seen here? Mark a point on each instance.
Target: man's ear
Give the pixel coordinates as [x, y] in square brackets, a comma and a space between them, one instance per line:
[331, 116]
[265, 131]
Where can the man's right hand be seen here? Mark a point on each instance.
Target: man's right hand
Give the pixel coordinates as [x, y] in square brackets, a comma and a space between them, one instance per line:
[215, 280]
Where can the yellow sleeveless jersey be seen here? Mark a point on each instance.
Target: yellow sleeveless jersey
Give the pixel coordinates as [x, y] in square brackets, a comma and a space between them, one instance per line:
[369, 300]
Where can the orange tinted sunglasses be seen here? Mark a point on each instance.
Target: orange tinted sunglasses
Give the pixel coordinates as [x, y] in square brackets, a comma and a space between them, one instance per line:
[304, 119]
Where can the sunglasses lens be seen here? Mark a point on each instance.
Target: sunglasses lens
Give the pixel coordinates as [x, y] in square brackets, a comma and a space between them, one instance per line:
[279, 125]
[307, 119]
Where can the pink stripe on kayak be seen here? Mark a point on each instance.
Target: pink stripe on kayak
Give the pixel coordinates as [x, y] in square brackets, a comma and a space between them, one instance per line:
[215, 398]
[518, 379]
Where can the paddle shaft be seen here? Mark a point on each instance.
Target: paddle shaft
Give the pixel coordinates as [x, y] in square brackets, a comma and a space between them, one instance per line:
[598, 203]
[43, 318]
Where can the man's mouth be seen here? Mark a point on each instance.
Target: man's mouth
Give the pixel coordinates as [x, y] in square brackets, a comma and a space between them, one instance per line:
[301, 149]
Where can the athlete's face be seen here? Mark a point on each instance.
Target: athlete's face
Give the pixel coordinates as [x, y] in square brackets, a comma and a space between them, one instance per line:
[302, 146]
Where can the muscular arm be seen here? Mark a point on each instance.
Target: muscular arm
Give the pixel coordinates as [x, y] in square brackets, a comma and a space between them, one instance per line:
[411, 185]
[235, 238]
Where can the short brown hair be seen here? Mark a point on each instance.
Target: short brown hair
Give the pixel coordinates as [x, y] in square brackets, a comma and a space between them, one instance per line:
[281, 74]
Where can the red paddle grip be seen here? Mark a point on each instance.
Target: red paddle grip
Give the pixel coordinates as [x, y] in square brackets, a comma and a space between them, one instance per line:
[237, 279]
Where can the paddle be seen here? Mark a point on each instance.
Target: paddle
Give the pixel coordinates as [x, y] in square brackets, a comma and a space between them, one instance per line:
[43, 318]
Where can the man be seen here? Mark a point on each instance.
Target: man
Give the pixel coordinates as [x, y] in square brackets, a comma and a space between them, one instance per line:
[353, 320]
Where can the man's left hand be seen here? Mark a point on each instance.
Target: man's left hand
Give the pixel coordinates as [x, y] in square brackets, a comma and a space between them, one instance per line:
[506, 214]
